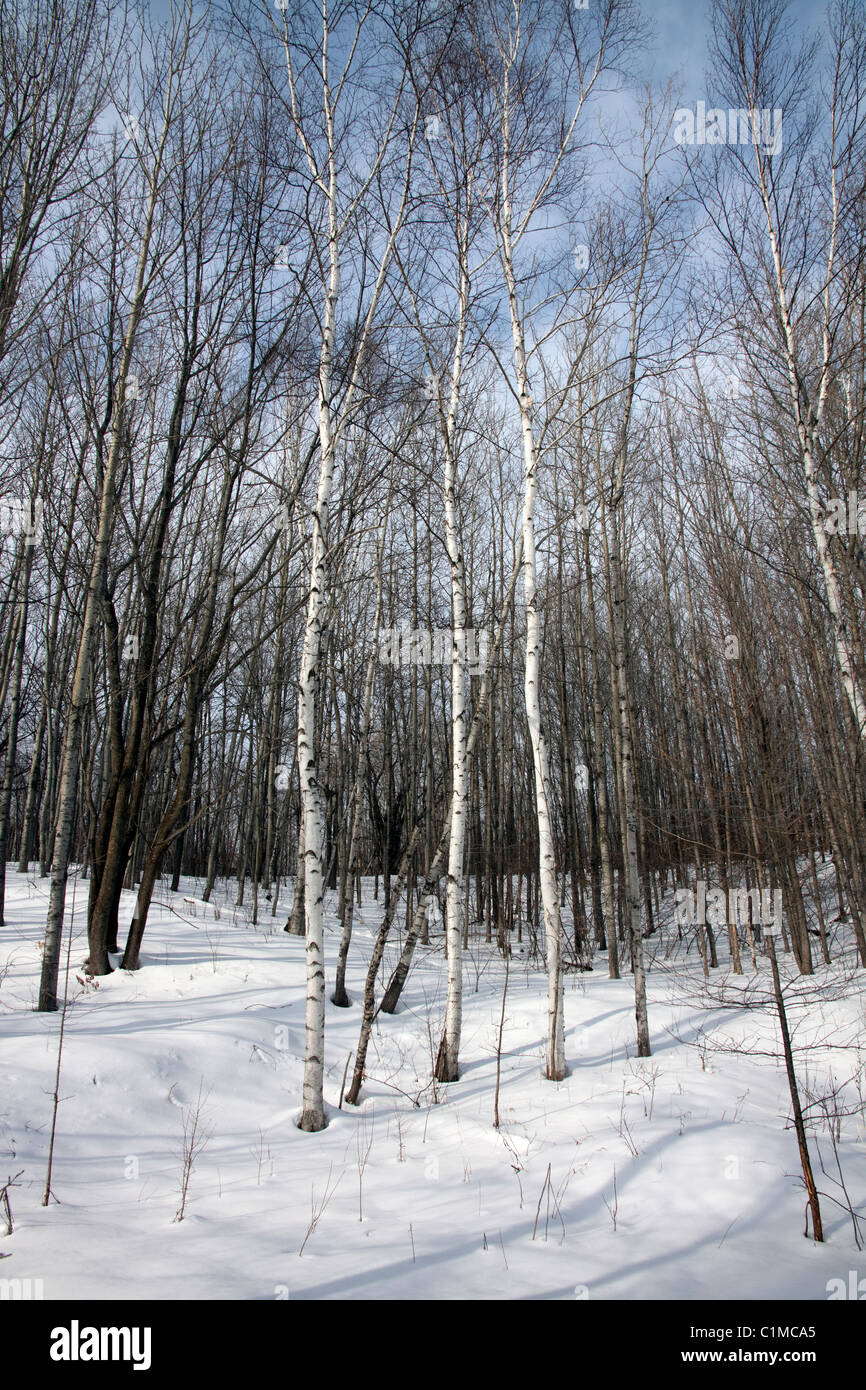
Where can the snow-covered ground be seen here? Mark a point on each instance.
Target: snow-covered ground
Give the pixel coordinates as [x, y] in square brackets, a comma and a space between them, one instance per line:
[675, 1177]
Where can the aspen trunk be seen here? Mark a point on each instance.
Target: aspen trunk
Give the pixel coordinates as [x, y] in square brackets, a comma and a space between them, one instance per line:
[80, 693]
[447, 1062]
[555, 1068]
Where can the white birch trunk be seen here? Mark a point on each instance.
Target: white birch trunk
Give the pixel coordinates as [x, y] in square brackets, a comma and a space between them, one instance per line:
[555, 1068]
[312, 807]
[447, 1065]
[330, 426]
[340, 997]
[805, 437]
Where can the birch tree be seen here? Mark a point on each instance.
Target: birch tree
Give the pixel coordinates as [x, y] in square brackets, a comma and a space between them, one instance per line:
[457, 146]
[786, 231]
[330, 187]
[525, 53]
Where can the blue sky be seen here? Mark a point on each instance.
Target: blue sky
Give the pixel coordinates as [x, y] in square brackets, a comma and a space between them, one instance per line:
[678, 49]
[680, 28]
[681, 32]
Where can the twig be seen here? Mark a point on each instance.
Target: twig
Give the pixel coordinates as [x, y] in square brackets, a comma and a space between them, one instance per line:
[4, 1198]
[499, 1042]
[343, 1085]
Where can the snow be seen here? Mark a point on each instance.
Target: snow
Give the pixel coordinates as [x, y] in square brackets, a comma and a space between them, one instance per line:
[425, 1199]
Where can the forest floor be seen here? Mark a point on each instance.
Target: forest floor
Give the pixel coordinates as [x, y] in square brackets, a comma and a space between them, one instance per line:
[673, 1177]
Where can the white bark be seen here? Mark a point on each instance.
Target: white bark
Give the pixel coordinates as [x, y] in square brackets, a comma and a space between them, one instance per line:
[331, 423]
[807, 421]
[841, 635]
[312, 804]
[447, 1067]
[312, 807]
[391, 996]
[511, 96]
[555, 1068]
[348, 904]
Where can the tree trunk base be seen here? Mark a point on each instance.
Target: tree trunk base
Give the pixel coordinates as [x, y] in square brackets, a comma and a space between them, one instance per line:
[446, 1068]
[98, 964]
[555, 1075]
[312, 1122]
